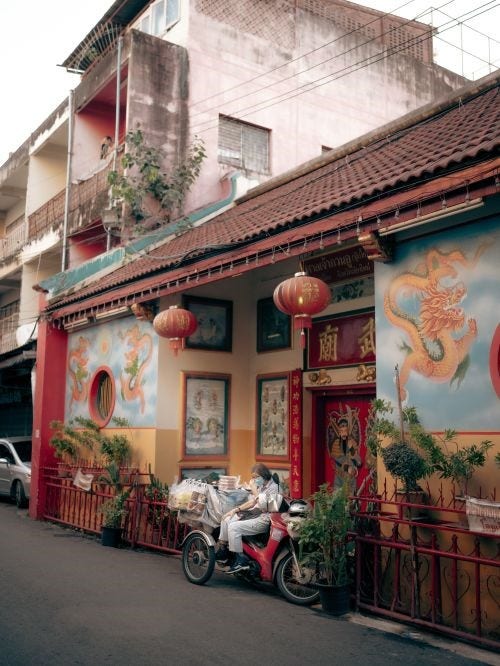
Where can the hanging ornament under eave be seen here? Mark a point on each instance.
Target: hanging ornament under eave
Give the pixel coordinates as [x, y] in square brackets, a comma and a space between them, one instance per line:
[176, 324]
[301, 297]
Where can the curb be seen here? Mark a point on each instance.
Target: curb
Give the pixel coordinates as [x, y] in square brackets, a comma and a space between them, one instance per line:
[459, 648]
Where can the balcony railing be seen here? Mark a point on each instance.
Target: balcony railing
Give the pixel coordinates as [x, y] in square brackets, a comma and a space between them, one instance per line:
[51, 214]
[9, 321]
[14, 239]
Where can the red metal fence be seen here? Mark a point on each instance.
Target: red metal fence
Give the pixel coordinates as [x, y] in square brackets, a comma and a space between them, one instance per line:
[149, 522]
[414, 562]
[421, 564]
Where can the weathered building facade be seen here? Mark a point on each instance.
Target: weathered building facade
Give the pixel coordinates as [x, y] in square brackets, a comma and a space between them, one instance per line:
[403, 226]
[267, 86]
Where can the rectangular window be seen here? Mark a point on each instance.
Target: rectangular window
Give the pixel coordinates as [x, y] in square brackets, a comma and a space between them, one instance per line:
[158, 18]
[243, 145]
[161, 16]
[172, 12]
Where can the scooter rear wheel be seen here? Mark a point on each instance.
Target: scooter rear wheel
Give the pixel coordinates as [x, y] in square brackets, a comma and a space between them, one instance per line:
[295, 587]
[198, 559]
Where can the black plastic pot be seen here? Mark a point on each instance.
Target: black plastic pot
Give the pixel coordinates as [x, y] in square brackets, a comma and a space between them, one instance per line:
[111, 536]
[335, 599]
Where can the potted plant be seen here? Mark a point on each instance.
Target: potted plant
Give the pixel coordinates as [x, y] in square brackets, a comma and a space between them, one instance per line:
[113, 511]
[324, 543]
[401, 456]
[405, 464]
[156, 493]
[114, 508]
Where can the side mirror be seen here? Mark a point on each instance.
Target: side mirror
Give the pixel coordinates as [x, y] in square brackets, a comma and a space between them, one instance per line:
[4, 460]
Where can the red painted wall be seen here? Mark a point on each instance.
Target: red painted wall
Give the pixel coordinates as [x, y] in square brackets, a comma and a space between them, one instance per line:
[48, 405]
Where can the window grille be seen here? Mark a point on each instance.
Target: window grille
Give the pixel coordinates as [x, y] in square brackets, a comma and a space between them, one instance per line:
[243, 145]
[102, 396]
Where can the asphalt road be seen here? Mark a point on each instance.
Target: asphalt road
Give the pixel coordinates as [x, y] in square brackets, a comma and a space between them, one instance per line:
[66, 599]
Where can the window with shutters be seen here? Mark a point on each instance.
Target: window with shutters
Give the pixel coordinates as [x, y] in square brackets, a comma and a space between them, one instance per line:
[243, 145]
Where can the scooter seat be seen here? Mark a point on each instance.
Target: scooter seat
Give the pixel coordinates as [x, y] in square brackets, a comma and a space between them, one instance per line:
[260, 539]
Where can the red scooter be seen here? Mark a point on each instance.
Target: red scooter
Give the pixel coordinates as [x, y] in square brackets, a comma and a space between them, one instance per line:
[272, 558]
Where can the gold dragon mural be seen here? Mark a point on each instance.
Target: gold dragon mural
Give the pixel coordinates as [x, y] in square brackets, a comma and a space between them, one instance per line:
[439, 334]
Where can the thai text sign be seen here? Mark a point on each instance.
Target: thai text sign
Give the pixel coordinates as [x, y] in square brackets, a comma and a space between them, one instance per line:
[340, 266]
[341, 341]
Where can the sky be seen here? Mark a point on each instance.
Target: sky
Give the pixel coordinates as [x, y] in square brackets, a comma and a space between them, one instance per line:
[37, 35]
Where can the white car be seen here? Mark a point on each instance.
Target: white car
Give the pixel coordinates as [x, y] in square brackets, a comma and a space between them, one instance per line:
[15, 469]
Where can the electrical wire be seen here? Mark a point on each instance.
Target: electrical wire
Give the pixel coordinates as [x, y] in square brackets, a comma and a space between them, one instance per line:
[294, 60]
[298, 91]
[312, 85]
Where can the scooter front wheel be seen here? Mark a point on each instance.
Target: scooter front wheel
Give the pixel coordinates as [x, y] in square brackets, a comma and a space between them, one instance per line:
[198, 559]
[297, 586]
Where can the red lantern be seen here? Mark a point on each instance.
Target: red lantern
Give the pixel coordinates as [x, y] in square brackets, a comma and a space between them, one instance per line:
[175, 324]
[301, 297]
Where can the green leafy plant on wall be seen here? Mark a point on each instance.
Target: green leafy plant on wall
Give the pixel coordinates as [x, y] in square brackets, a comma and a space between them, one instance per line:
[418, 453]
[146, 189]
[396, 445]
[82, 436]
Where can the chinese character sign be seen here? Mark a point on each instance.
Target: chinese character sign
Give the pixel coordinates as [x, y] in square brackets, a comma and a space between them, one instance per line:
[296, 434]
[342, 341]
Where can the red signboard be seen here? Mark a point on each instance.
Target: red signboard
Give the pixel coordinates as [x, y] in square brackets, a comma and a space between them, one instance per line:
[340, 266]
[342, 341]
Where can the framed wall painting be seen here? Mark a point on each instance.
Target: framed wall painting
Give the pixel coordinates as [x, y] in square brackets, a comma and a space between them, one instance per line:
[273, 327]
[206, 474]
[215, 323]
[273, 416]
[205, 420]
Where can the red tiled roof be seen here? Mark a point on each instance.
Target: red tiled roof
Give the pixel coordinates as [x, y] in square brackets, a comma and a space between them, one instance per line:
[423, 145]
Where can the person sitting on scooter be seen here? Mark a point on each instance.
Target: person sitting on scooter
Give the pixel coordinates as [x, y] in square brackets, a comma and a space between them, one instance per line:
[233, 527]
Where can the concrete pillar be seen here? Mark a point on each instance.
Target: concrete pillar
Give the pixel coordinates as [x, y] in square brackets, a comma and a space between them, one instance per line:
[48, 405]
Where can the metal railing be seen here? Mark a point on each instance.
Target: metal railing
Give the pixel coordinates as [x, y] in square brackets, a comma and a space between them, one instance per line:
[149, 522]
[9, 321]
[420, 564]
[51, 214]
[14, 239]
[414, 562]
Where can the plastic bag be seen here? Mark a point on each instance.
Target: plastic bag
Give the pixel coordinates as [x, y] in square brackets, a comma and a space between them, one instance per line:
[272, 502]
[189, 495]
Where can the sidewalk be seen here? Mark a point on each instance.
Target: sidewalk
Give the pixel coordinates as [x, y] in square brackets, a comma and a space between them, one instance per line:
[405, 631]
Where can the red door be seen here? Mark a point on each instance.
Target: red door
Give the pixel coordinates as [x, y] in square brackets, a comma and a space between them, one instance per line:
[339, 440]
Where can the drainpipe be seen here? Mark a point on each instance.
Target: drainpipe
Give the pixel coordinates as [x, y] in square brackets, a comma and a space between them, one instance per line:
[68, 183]
[117, 128]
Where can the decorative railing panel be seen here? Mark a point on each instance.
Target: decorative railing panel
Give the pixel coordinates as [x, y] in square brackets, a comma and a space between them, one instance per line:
[14, 239]
[149, 522]
[421, 564]
[51, 214]
[414, 562]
